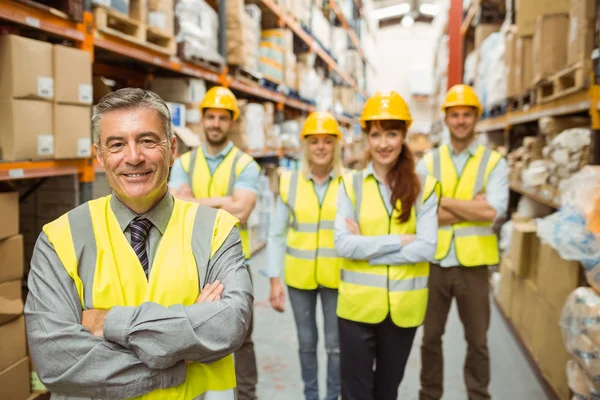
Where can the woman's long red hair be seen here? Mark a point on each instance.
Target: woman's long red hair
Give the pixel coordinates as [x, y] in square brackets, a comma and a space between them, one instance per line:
[402, 178]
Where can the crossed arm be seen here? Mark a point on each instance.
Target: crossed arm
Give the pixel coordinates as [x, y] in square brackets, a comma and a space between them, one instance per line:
[453, 211]
[143, 348]
[240, 204]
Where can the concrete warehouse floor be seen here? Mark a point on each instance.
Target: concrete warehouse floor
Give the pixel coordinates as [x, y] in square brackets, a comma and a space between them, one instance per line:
[279, 365]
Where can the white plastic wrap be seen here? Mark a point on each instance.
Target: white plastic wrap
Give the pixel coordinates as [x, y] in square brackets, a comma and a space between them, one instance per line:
[536, 174]
[506, 237]
[490, 83]
[580, 325]
[581, 190]
[309, 84]
[528, 208]
[325, 96]
[471, 67]
[198, 29]
[254, 116]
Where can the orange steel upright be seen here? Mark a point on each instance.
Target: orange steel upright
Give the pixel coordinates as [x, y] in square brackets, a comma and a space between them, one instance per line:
[455, 44]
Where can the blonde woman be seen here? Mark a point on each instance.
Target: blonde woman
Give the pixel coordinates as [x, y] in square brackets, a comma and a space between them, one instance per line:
[301, 238]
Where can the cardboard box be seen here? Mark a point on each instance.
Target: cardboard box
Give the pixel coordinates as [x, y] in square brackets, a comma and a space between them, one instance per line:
[72, 131]
[517, 301]
[524, 248]
[510, 60]
[179, 90]
[11, 301]
[553, 356]
[528, 316]
[9, 204]
[25, 68]
[13, 344]
[527, 11]
[556, 278]
[524, 63]
[581, 30]
[482, 31]
[163, 20]
[11, 259]
[506, 287]
[27, 130]
[550, 45]
[72, 76]
[14, 381]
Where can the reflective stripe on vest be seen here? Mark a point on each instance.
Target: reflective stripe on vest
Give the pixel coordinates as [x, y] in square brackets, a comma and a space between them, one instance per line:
[107, 273]
[475, 243]
[369, 293]
[311, 259]
[220, 183]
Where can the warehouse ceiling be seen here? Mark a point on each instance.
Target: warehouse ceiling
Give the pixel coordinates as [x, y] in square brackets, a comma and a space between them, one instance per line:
[405, 12]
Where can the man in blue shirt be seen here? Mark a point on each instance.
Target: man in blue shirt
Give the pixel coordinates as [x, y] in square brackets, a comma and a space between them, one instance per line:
[220, 175]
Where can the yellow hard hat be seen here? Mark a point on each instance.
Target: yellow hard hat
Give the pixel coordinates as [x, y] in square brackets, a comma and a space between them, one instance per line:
[386, 105]
[320, 123]
[462, 95]
[223, 98]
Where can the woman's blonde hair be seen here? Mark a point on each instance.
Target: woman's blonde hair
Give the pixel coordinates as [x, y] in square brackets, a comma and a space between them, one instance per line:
[337, 166]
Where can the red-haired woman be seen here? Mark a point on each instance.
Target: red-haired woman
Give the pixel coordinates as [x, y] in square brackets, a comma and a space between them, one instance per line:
[386, 231]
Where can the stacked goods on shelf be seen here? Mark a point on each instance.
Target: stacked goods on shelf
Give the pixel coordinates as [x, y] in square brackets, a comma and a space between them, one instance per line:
[527, 12]
[248, 132]
[275, 47]
[242, 35]
[543, 163]
[490, 83]
[26, 96]
[550, 45]
[339, 42]
[72, 102]
[161, 15]
[519, 62]
[535, 283]
[581, 31]
[347, 99]
[121, 6]
[320, 27]
[351, 63]
[308, 80]
[14, 364]
[183, 96]
[197, 31]
[50, 200]
[272, 140]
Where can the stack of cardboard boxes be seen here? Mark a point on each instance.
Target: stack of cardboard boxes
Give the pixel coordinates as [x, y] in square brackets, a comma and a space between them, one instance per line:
[44, 105]
[277, 60]
[535, 283]
[14, 364]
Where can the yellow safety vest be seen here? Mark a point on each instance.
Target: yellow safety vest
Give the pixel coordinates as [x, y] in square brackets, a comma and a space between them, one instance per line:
[476, 243]
[220, 183]
[108, 273]
[310, 259]
[368, 293]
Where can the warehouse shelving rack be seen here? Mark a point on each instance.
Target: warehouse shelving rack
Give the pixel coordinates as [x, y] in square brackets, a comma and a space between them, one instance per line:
[87, 38]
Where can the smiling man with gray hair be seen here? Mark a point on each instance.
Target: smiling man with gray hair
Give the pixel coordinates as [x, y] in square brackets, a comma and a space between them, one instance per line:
[115, 308]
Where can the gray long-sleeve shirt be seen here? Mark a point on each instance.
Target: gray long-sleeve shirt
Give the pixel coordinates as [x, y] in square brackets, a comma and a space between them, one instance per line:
[144, 347]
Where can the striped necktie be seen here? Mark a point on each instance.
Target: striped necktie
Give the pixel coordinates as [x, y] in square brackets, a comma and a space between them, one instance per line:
[139, 232]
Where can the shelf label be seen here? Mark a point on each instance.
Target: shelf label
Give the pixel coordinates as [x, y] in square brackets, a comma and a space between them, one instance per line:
[16, 173]
[85, 93]
[32, 22]
[45, 87]
[45, 145]
[84, 147]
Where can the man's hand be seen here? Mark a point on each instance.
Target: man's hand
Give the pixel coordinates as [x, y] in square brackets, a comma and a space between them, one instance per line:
[211, 292]
[353, 226]
[93, 321]
[277, 296]
[480, 196]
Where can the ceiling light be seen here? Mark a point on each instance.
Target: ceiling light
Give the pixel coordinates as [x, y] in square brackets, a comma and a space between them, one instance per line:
[407, 21]
[429, 9]
[390, 12]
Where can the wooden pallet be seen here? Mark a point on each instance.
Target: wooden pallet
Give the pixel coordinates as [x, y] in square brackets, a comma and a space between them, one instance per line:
[156, 37]
[114, 23]
[570, 80]
[246, 76]
[522, 101]
[184, 54]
